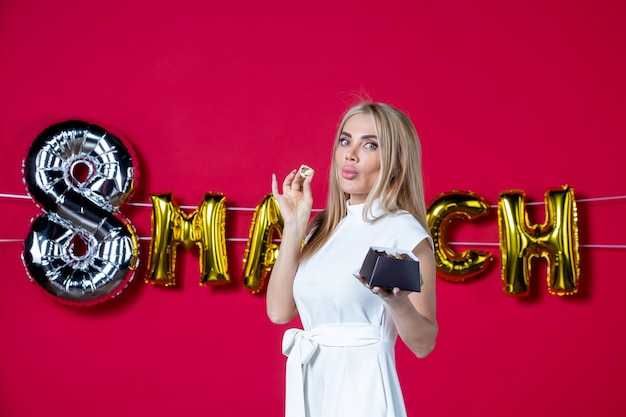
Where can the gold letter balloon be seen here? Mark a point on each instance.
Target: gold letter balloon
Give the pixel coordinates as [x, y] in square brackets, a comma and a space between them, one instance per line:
[261, 251]
[453, 266]
[556, 241]
[171, 227]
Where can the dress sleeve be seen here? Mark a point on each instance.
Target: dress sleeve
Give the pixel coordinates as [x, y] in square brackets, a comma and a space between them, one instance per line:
[411, 233]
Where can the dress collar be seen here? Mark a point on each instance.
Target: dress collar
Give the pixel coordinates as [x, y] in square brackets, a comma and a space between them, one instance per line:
[356, 210]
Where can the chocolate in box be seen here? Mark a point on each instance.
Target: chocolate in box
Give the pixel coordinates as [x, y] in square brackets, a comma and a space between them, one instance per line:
[387, 271]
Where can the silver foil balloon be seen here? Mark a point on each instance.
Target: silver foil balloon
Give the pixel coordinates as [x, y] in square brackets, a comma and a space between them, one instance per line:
[82, 250]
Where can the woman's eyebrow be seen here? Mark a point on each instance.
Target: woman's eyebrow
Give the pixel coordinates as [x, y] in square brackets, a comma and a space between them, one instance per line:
[362, 137]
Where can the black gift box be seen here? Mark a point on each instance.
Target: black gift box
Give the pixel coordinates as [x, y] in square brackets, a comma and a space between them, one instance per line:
[381, 268]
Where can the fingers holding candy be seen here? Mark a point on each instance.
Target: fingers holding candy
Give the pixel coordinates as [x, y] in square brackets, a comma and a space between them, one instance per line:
[296, 199]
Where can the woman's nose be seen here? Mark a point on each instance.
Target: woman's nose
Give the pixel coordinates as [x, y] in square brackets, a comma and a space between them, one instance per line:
[350, 155]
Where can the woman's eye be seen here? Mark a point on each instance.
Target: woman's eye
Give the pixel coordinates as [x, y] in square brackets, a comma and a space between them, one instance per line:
[371, 145]
[344, 142]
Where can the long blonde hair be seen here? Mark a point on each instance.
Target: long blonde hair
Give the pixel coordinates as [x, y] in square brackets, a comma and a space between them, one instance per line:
[399, 185]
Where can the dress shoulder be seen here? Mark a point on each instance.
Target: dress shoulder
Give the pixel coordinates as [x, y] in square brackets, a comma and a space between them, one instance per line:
[408, 230]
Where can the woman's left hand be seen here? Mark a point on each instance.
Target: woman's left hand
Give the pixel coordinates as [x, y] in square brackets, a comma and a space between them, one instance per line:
[395, 295]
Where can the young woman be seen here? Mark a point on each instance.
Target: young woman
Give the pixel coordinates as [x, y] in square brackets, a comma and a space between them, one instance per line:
[343, 362]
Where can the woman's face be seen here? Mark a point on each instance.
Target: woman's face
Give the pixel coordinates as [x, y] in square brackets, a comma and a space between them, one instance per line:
[357, 157]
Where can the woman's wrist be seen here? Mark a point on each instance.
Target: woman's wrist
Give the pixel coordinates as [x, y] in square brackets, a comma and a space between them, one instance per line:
[293, 231]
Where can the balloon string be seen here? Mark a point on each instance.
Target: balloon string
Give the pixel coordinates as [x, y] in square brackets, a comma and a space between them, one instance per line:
[582, 200]
[190, 207]
[242, 239]
[578, 200]
[147, 238]
[590, 245]
[137, 204]
[27, 197]
[15, 196]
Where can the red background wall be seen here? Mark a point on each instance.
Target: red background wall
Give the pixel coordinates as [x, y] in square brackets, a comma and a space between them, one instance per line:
[215, 97]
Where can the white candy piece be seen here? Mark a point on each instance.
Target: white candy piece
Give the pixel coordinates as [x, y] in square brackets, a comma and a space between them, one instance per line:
[306, 171]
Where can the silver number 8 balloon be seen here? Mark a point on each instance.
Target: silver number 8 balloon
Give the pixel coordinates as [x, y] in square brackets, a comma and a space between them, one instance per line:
[82, 250]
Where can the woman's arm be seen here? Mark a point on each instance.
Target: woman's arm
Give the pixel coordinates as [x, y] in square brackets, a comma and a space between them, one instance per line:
[414, 313]
[295, 205]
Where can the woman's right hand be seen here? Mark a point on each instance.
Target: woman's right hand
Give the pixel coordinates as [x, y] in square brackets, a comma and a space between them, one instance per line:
[295, 204]
[296, 200]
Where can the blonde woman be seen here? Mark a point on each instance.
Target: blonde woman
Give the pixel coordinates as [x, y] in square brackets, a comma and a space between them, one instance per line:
[343, 363]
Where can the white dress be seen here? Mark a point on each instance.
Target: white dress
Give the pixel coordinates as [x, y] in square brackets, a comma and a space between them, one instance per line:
[343, 363]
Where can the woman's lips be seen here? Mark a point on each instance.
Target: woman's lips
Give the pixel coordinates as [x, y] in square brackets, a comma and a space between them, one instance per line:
[349, 173]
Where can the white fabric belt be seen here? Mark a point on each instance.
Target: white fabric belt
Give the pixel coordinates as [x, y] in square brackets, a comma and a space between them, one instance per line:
[299, 346]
